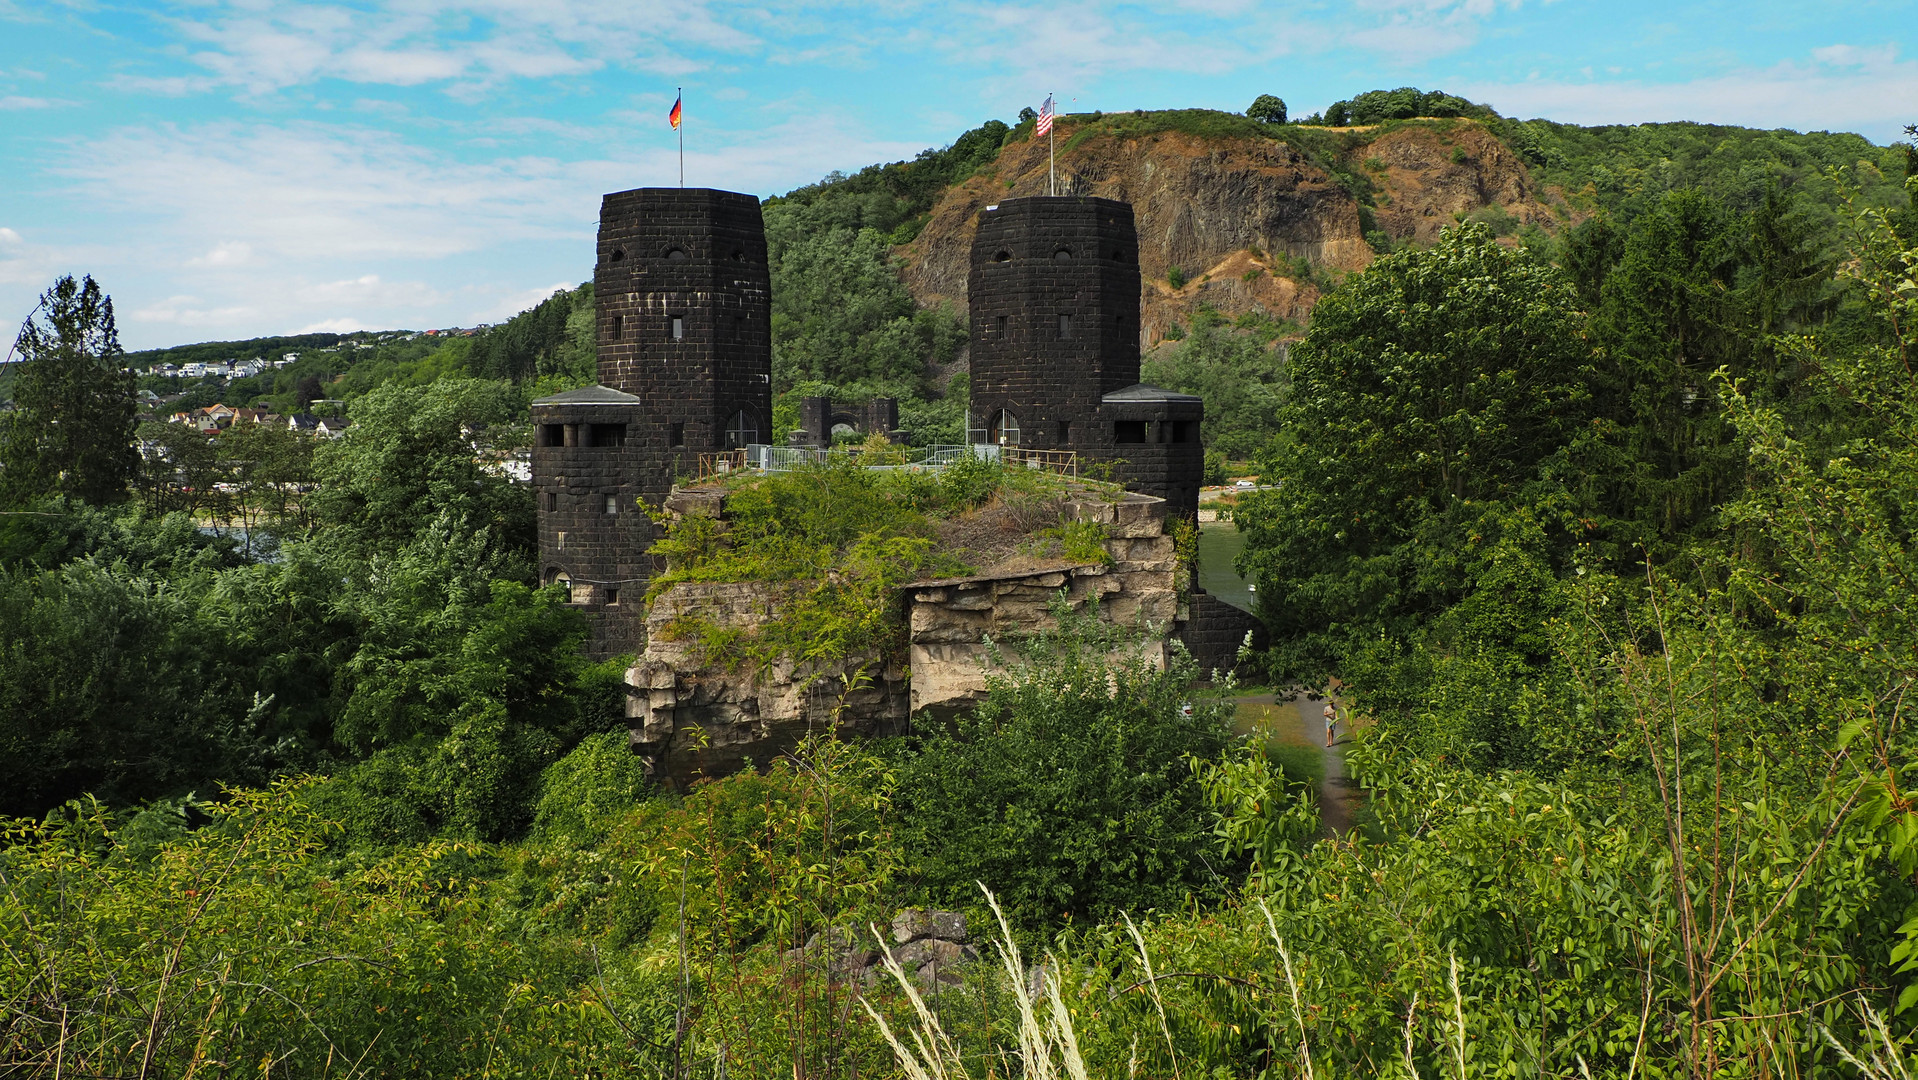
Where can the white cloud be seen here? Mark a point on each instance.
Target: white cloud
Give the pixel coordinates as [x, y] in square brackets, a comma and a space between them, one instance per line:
[342, 222]
[369, 290]
[189, 311]
[510, 305]
[8, 236]
[230, 254]
[15, 103]
[318, 191]
[342, 325]
[266, 45]
[1842, 88]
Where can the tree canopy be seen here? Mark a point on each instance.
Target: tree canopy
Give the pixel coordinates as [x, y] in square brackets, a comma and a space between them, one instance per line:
[71, 431]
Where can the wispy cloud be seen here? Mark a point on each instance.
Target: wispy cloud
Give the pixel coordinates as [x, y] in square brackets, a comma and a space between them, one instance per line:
[263, 46]
[1867, 88]
[14, 102]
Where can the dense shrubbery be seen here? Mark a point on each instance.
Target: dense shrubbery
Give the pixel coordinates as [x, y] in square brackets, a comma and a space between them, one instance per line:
[1069, 787]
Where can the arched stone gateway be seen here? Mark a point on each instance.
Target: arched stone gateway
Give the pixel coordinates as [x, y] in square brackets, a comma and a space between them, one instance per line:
[820, 416]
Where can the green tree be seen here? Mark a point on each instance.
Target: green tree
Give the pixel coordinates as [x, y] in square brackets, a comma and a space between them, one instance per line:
[1433, 386]
[1068, 790]
[1267, 107]
[1238, 368]
[410, 457]
[72, 429]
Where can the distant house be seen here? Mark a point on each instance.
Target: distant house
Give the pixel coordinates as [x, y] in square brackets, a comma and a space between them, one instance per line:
[303, 422]
[332, 426]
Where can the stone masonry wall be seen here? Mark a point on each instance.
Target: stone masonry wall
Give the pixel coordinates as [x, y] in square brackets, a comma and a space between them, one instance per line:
[1036, 262]
[950, 619]
[684, 307]
[592, 531]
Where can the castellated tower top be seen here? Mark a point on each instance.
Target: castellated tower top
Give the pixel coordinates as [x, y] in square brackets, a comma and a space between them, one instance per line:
[684, 305]
[1054, 300]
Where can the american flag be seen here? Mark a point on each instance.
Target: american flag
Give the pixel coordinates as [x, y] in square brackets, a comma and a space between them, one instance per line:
[1045, 118]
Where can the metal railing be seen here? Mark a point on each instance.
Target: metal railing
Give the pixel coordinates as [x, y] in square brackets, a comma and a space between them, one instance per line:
[766, 458]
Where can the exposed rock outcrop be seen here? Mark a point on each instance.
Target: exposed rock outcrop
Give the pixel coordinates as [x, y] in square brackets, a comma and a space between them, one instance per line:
[1232, 211]
[1197, 200]
[1432, 177]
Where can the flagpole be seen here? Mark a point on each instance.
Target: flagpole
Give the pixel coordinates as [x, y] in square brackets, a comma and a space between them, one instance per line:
[1052, 177]
[681, 128]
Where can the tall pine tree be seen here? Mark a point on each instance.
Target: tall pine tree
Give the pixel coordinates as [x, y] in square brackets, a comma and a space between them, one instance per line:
[71, 431]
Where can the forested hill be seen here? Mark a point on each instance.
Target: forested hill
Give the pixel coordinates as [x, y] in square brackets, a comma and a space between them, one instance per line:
[1244, 224]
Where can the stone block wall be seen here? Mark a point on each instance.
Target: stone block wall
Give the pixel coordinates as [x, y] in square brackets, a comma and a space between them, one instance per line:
[949, 620]
[684, 307]
[746, 714]
[1054, 307]
[589, 474]
[1214, 630]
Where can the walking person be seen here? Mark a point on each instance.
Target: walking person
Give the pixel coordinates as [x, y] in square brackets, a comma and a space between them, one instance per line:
[1331, 721]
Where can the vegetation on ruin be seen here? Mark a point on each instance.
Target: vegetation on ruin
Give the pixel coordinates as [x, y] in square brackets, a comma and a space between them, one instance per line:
[832, 542]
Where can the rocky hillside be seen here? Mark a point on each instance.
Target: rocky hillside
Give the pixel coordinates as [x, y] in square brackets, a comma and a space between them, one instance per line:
[1250, 216]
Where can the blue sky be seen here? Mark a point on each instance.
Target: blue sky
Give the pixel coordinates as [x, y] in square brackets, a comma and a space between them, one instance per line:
[228, 168]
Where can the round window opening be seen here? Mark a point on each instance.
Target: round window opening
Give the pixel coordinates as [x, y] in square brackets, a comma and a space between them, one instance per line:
[618, 254]
[676, 255]
[1062, 255]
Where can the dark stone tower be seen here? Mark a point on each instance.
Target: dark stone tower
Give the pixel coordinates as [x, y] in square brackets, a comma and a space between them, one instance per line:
[683, 306]
[685, 312]
[1054, 301]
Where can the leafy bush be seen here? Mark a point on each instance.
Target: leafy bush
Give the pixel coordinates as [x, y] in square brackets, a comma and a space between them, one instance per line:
[1067, 790]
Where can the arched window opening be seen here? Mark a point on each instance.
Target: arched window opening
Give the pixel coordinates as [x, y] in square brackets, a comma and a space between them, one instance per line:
[1005, 429]
[741, 430]
[1062, 255]
[618, 254]
[1119, 255]
[1002, 256]
[676, 255]
[739, 255]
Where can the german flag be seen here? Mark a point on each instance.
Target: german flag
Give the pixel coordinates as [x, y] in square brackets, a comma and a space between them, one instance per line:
[673, 117]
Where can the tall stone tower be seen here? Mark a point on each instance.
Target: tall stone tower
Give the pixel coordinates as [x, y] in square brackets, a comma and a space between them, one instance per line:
[682, 298]
[685, 315]
[1054, 303]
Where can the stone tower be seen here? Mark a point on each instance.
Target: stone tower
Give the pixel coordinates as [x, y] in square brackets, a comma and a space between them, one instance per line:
[683, 308]
[685, 315]
[1054, 303]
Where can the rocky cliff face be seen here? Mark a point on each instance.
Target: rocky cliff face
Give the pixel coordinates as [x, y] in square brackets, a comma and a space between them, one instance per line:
[1430, 177]
[1234, 212]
